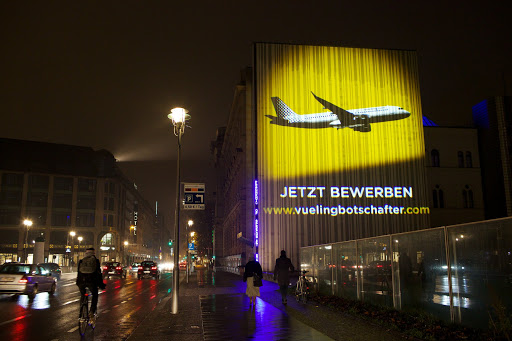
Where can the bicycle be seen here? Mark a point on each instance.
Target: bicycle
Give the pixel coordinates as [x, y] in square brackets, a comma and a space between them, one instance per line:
[83, 318]
[302, 288]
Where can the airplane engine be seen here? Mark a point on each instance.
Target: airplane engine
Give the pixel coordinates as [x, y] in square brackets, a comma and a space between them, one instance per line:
[362, 124]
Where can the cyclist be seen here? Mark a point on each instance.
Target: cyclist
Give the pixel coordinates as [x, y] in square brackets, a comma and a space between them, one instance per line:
[282, 274]
[89, 276]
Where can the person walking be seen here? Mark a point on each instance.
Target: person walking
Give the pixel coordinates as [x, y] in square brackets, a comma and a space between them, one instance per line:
[89, 276]
[252, 268]
[282, 274]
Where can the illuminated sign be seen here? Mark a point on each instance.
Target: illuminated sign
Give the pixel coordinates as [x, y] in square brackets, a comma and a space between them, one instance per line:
[194, 197]
[340, 149]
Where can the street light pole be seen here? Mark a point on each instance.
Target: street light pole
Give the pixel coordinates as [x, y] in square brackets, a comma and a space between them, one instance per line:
[27, 224]
[79, 245]
[190, 223]
[178, 116]
[72, 234]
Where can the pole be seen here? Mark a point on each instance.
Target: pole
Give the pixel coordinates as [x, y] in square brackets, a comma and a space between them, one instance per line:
[188, 255]
[176, 269]
[26, 246]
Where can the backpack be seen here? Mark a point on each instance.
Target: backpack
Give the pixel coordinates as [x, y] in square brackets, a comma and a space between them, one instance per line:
[88, 265]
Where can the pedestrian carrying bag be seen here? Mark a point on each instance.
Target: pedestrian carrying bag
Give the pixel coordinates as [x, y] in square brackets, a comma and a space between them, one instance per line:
[88, 265]
[257, 280]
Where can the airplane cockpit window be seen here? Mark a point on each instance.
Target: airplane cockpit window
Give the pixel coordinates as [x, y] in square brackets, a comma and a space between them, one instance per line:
[400, 108]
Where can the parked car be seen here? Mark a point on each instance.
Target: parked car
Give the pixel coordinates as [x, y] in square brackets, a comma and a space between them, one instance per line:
[148, 269]
[183, 265]
[26, 279]
[53, 268]
[113, 269]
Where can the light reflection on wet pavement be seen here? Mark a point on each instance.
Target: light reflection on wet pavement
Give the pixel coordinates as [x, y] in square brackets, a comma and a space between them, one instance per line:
[227, 316]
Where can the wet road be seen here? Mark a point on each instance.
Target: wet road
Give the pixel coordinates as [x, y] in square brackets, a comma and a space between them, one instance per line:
[122, 307]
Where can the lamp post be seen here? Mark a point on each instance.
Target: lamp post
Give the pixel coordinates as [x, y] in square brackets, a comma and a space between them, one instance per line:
[72, 234]
[27, 224]
[127, 257]
[189, 223]
[80, 238]
[178, 116]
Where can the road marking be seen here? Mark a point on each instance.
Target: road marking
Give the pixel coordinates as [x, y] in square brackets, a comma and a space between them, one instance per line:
[124, 302]
[67, 285]
[68, 302]
[130, 298]
[16, 319]
[72, 329]
[105, 311]
[117, 305]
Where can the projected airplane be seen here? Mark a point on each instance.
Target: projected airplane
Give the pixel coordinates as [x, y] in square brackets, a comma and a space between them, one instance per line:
[356, 119]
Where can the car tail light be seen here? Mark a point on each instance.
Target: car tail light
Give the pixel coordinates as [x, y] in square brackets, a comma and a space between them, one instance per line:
[105, 268]
[140, 267]
[130, 267]
[23, 280]
[118, 268]
[379, 266]
[153, 268]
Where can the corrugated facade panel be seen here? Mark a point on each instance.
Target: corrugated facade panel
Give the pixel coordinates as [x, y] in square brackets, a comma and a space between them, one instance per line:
[311, 173]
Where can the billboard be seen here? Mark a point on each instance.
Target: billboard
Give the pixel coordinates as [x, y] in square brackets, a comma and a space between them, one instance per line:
[339, 144]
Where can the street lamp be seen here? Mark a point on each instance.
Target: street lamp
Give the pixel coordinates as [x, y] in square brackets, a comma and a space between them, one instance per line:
[27, 224]
[80, 238]
[72, 234]
[178, 116]
[189, 223]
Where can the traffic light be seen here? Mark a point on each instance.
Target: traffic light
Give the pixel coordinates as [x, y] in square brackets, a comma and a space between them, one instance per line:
[170, 242]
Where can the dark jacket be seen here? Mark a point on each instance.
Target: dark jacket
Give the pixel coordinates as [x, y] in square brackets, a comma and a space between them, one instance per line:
[252, 267]
[282, 270]
[94, 278]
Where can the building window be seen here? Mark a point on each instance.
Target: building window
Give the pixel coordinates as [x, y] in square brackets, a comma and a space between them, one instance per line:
[108, 220]
[107, 239]
[438, 197]
[460, 159]
[63, 184]
[85, 219]
[12, 180]
[61, 219]
[86, 202]
[39, 182]
[86, 185]
[467, 197]
[108, 204]
[434, 158]
[469, 160]
[62, 201]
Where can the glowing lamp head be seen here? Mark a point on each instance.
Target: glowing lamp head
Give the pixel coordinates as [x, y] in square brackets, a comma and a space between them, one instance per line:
[72, 233]
[125, 243]
[80, 238]
[27, 222]
[178, 116]
[190, 223]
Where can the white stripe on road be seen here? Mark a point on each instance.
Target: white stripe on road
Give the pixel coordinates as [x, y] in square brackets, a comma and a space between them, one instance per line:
[124, 302]
[72, 329]
[117, 305]
[68, 302]
[67, 285]
[130, 298]
[16, 319]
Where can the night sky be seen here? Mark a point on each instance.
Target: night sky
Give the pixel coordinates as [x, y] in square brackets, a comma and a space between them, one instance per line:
[105, 74]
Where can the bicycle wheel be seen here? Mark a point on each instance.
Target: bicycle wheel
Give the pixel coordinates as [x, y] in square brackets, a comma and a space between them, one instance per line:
[297, 292]
[83, 319]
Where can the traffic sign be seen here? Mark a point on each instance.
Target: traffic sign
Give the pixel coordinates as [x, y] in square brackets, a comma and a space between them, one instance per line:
[191, 246]
[194, 197]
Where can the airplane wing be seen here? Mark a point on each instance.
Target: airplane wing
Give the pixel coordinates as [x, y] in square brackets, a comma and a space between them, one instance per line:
[344, 116]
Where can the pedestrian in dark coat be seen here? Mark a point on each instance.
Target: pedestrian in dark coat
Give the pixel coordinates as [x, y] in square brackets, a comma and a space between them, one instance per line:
[282, 273]
[253, 267]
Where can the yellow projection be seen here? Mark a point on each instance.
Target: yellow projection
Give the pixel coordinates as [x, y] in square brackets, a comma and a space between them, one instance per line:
[349, 78]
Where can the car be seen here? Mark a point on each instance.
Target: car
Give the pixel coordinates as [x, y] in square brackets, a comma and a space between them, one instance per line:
[134, 268]
[53, 268]
[26, 279]
[109, 269]
[148, 269]
[183, 265]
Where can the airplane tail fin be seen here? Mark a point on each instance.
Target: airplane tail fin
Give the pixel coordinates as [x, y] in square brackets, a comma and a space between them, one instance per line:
[282, 110]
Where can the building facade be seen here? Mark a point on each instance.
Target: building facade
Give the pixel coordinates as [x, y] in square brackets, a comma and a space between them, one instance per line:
[451, 169]
[493, 119]
[75, 198]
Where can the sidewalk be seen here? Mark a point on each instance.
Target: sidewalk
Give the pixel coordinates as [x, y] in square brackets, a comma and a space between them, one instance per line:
[213, 306]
